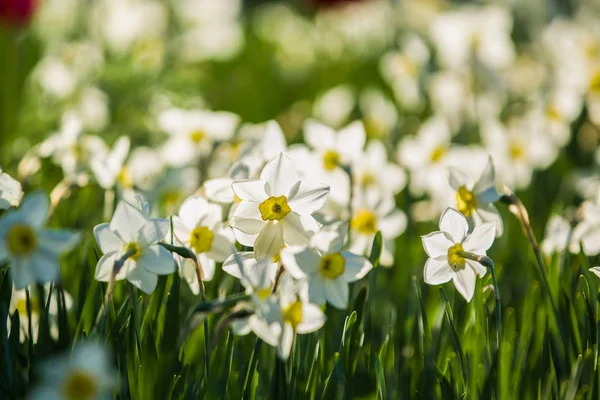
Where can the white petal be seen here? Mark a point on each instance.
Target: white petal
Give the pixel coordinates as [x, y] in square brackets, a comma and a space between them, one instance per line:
[11, 192]
[281, 174]
[300, 261]
[313, 319]
[436, 244]
[487, 179]
[465, 280]
[34, 209]
[219, 190]
[156, 259]
[316, 290]
[285, 342]
[105, 266]
[222, 245]
[187, 271]
[311, 196]
[154, 230]
[318, 135]
[297, 230]
[265, 331]
[269, 241]
[245, 239]
[58, 241]
[181, 230]
[231, 265]
[127, 221]
[107, 240]
[273, 141]
[356, 267]
[337, 293]
[457, 178]
[142, 279]
[351, 140]
[455, 224]
[392, 225]
[595, 271]
[207, 266]
[247, 218]
[192, 209]
[250, 189]
[489, 213]
[330, 238]
[437, 271]
[22, 273]
[481, 238]
[45, 266]
[479, 269]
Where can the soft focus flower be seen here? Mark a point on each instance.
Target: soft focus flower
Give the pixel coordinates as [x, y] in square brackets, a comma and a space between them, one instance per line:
[373, 171]
[86, 373]
[130, 231]
[32, 251]
[109, 170]
[11, 192]
[587, 232]
[557, 235]
[277, 208]
[444, 249]
[475, 199]
[199, 226]
[327, 268]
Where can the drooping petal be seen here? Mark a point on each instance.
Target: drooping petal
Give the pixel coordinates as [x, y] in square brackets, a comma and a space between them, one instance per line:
[281, 174]
[337, 293]
[142, 279]
[285, 342]
[464, 280]
[356, 267]
[311, 197]
[157, 260]
[437, 271]
[481, 238]
[269, 241]
[436, 244]
[313, 319]
[127, 221]
[250, 189]
[247, 218]
[455, 224]
[297, 230]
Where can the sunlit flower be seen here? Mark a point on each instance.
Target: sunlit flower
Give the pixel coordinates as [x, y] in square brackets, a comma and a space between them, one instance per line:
[557, 235]
[475, 199]
[374, 172]
[11, 192]
[444, 249]
[372, 213]
[327, 268]
[277, 208]
[110, 169]
[32, 251]
[193, 133]
[587, 232]
[130, 231]
[86, 373]
[199, 226]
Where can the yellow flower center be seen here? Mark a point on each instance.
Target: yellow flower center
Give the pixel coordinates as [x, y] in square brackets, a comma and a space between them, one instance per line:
[124, 178]
[135, 249]
[171, 197]
[367, 179]
[332, 265]
[456, 262]
[292, 314]
[516, 151]
[364, 222]
[201, 239]
[21, 306]
[236, 199]
[466, 202]
[274, 208]
[263, 294]
[197, 136]
[437, 154]
[552, 113]
[79, 385]
[276, 258]
[595, 82]
[331, 159]
[21, 239]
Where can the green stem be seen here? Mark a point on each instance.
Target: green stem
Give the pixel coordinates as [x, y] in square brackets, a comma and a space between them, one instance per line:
[30, 331]
[251, 368]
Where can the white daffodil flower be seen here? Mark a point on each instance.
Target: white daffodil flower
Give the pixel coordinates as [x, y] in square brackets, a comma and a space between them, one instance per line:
[32, 251]
[193, 132]
[374, 172]
[109, 170]
[11, 192]
[86, 373]
[131, 231]
[373, 212]
[444, 247]
[557, 235]
[587, 233]
[277, 208]
[327, 268]
[475, 199]
[199, 226]
[249, 263]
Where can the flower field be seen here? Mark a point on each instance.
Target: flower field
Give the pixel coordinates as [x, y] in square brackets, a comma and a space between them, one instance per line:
[303, 199]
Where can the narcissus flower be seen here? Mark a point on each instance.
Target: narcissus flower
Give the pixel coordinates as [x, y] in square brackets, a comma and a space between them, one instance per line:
[199, 226]
[132, 231]
[277, 208]
[444, 249]
[327, 268]
[86, 374]
[475, 199]
[32, 251]
[11, 192]
[110, 170]
[587, 233]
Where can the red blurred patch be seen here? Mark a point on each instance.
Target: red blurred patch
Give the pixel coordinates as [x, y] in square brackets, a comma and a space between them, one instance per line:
[17, 12]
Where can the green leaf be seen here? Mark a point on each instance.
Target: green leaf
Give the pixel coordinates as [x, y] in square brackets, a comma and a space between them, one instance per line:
[376, 249]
